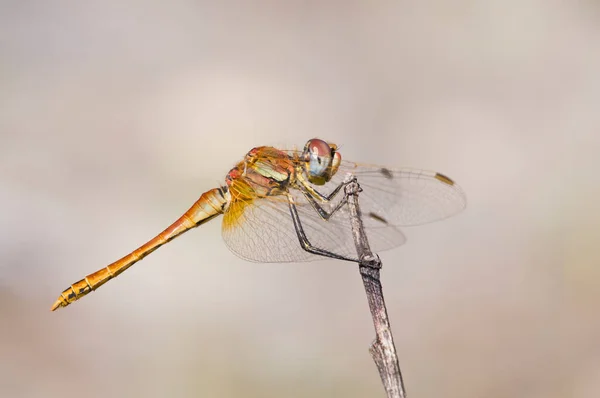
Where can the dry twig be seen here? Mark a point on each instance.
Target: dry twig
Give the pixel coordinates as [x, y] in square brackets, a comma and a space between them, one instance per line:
[382, 349]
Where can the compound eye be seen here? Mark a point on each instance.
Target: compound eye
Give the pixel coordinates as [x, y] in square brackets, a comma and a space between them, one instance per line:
[319, 156]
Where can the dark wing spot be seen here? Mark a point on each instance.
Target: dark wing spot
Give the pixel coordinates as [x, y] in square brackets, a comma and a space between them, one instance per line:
[378, 218]
[444, 179]
[386, 173]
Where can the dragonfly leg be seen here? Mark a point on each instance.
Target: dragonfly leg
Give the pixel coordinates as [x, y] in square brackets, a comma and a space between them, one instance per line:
[324, 198]
[304, 242]
[312, 194]
[325, 215]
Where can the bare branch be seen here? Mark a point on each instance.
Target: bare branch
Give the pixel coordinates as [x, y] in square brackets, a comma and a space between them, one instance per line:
[382, 349]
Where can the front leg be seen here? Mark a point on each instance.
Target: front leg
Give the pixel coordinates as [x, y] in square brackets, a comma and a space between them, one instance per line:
[325, 215]
[312, 195]
[316, 194]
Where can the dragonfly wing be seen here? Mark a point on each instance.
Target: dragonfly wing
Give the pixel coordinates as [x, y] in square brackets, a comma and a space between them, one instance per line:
[403, 197]
[263, 231]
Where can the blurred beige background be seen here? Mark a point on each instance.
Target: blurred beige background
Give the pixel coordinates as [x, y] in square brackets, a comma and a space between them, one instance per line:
[116, 116]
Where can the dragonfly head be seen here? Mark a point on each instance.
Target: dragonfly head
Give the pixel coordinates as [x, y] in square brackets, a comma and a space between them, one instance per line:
[321, 161]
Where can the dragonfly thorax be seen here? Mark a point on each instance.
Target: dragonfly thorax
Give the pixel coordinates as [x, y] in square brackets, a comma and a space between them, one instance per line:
[265, 171]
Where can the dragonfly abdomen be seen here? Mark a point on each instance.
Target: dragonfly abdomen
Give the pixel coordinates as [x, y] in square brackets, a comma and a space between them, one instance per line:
[211, 204]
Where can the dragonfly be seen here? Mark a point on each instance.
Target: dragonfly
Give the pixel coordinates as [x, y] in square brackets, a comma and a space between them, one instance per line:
[290, 206]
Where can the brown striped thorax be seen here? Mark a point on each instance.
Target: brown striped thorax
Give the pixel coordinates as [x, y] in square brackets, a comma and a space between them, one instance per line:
[269, 171]
[265, 171]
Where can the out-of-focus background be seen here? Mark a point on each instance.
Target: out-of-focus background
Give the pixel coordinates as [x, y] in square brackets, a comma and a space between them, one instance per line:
[116, 116]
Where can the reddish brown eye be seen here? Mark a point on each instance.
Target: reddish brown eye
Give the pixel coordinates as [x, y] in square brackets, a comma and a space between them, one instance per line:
[319, 156]
[317, 147]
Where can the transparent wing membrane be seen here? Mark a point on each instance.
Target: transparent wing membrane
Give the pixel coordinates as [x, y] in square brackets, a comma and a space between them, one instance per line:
[263, 230]
[403, 197]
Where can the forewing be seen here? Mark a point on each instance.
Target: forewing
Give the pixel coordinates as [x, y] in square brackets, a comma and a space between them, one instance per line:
[403, 197]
